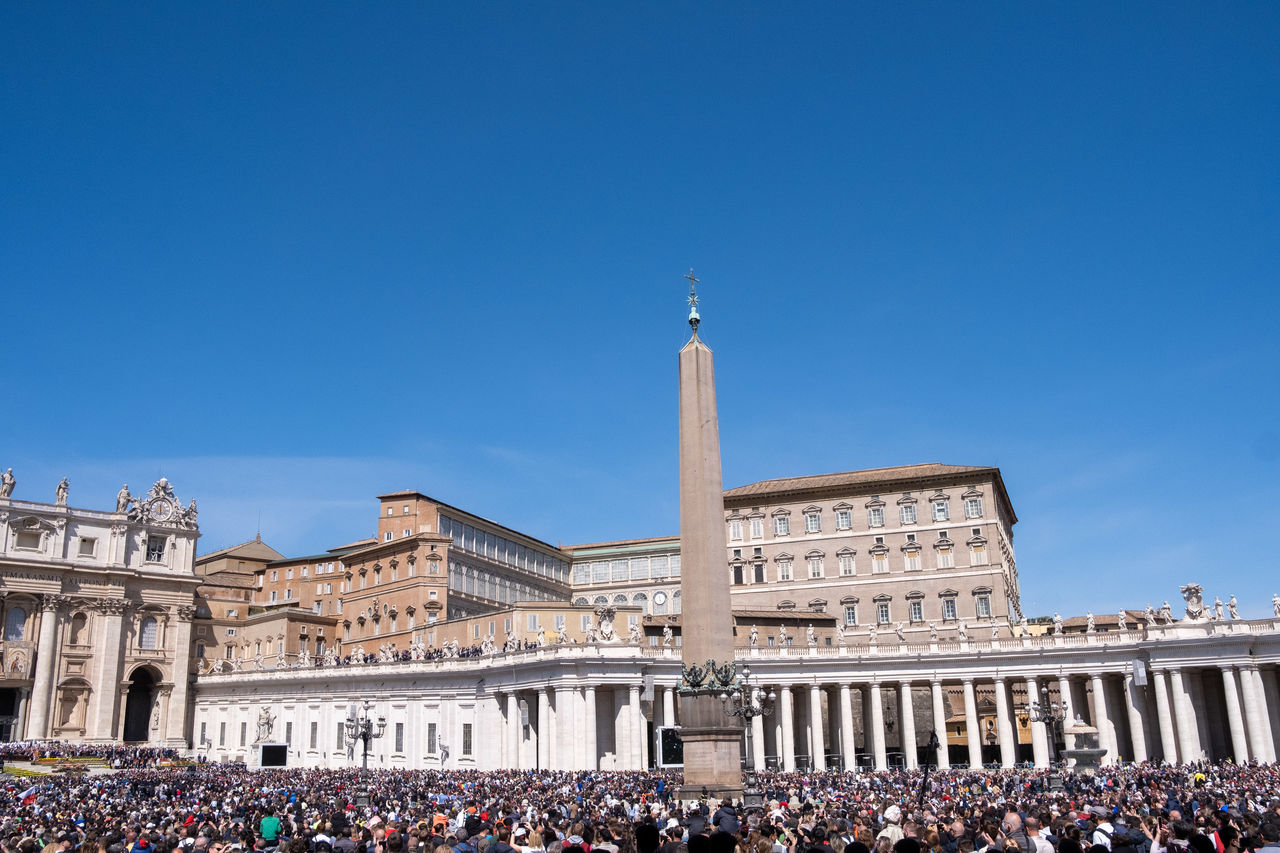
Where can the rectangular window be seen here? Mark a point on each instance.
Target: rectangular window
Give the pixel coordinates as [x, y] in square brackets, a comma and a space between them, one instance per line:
[620, 570]
[757, 573]
[639, 567]
[882, 613]
[406, 509]
[400, 737]
[431, 738]
[155, 549]
[288, 733]
[600, 571]
[204, 731]
[984, 607]
[757, 528]
[582, 573]
[851, 614]
[815, 567]
[846, 565]
[940, 511]
[273, 597]
[973, 507]
[916, 609]
[948, 608]
[813, 523]
[341, 742]
[532, 622]
[784, 570]
[675, 565]
[875, 516]
[559, 621]
[844, 519]
[288, 574]
[386, 537]
[304, 571]
[29, 540]
[391, 510]
[314, 735]
[735, 530]
[87, 546]
[275, 576]
[658, 567]
[913, 561]
[586, 621]
[782, 525]
[222, 734]
[466, 738]
[907, 512]
[977, 555]
[879, 564]
[288, 595]
[244, 733]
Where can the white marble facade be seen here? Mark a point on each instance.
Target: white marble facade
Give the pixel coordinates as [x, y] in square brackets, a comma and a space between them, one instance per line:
[97, 609]
[1182, 691]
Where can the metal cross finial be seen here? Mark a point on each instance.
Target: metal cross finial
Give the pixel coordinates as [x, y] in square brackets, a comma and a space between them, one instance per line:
[693, 300]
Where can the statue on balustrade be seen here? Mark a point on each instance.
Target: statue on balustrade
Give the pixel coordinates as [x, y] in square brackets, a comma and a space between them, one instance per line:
[1057, 622]
[753, 639]
[1233, 607]
[7, 483]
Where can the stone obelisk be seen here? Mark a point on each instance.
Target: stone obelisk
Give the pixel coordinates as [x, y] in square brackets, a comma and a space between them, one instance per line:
[711, 738]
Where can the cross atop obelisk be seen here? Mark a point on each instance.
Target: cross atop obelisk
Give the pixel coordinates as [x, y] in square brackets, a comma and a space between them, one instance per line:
[694, 319]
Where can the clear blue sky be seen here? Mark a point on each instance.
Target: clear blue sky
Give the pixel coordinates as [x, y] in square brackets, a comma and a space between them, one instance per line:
[291, 255]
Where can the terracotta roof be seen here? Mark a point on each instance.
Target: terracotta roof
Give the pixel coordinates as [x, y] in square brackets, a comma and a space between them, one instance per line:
[255, 548]
[854, 478]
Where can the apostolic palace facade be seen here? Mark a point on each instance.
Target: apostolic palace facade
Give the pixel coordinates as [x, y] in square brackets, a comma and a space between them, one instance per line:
[877, 606]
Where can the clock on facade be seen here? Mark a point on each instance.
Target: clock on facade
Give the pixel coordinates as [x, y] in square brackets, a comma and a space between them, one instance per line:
[160, 510]
[659, 598]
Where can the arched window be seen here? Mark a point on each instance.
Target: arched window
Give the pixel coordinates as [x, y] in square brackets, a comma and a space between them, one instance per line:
[15, 625]
[675, 601]
[620, 599]
[581, 601]
[601, 599]
[642, 601]
[147, 633]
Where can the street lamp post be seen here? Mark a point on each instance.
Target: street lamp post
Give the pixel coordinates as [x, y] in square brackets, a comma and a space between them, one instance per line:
[361, 727]
[747, 701]
[934, 745]
[1052, 715]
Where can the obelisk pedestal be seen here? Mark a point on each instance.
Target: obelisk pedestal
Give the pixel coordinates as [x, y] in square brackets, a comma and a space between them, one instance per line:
[712, 739]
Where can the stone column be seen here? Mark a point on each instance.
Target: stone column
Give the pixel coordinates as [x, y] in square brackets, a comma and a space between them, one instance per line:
[1106, 734]
[1137, 727]
[943, 757]
[877, 728]
[847, 746]
[1255, 711]
[757, 741]
[20, 718]
[907, 713]
[1164, 717]
[818, 750]
[788, 729]
[971, 725]
[636, 717]
[1039, 733]
[45, 668]
[515, 734]
[1188, 736]
[1068, 703]
[1271, 695]
[1004, 725]
[668, 706]
[589, 727]
[176, 729]
[555, 760]
[543, 730]
[1235, 719]
[110, 644]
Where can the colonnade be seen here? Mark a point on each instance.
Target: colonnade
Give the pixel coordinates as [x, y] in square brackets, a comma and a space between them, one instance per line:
[575, 727]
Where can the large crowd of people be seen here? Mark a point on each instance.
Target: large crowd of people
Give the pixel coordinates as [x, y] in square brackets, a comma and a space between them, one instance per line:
[215, 808]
